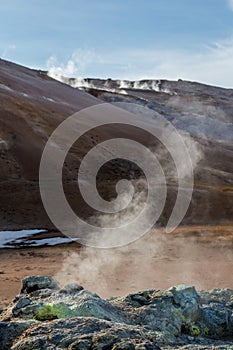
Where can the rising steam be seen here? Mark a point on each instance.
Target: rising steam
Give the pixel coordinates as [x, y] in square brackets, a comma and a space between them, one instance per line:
[131, 268]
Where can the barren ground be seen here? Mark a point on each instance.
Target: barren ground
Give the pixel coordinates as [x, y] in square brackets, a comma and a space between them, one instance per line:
[197, 255]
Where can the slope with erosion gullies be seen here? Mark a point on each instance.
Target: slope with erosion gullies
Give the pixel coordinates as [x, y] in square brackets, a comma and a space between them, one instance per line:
[33, 105]
[204, 116]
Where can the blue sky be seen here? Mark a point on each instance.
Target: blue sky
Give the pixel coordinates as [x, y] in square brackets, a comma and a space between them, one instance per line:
[125, 39]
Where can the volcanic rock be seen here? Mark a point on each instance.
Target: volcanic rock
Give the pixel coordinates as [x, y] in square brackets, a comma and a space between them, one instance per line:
[74, 318]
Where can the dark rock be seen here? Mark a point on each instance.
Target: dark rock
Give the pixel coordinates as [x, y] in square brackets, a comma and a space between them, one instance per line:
[71, 288]
[80, 333]
[9, 331]
[73, 318]
[124, 345]
[22, 303]
[34, 283]
[105, 341]
[42, 293]
[147, 346]
[217, 320]
[188, 299]
[141, 298]
[81, 344]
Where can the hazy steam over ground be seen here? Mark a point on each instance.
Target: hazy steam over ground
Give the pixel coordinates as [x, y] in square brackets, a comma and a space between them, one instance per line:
[155, 261]
[132, 267]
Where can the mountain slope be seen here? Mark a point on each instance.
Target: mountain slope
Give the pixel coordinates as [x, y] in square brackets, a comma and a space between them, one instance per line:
[202, 112]
[32, 105]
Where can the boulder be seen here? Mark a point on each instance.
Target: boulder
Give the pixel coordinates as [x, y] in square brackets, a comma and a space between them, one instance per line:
[34, 283]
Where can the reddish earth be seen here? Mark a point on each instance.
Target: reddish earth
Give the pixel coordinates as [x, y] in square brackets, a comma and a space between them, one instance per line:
[32, 105]
[200, 256]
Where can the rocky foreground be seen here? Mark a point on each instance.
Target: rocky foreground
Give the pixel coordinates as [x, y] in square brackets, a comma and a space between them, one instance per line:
[44, 316]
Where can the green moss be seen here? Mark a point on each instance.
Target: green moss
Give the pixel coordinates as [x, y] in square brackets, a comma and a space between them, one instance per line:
[47, 312]
[195, 330]
[54, 311]
[205, 331]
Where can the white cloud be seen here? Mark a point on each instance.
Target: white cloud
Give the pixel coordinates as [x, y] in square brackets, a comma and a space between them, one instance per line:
[230, 2]
[212, 64]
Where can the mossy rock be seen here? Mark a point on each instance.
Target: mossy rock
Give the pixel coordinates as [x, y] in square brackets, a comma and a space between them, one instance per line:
[54, 311]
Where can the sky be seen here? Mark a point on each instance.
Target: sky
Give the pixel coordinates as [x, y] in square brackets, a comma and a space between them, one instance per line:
[122, 39]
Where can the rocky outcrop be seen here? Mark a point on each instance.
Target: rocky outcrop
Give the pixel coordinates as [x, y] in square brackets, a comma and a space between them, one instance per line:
[44, 316]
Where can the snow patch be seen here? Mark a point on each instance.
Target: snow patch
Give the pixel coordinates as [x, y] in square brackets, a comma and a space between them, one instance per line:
[3, 145]
[24, 94]
[5, 87]
[48, 99]
[11, 239]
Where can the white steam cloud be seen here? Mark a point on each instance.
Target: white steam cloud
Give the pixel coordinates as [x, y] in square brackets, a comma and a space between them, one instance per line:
[130, 268]
[76, 65]
[82, 83]
[211, 64]
[157, 261]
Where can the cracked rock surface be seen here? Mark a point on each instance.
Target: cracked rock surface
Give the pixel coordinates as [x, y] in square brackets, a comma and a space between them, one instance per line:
[45, 316]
